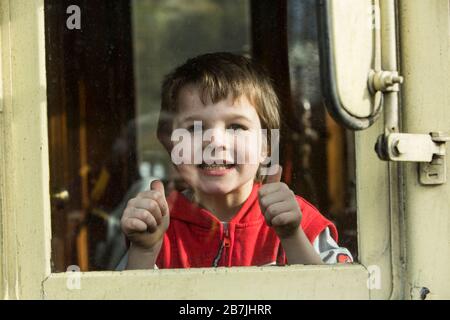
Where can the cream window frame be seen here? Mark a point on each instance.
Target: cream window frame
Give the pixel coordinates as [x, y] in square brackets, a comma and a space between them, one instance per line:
[25, 208]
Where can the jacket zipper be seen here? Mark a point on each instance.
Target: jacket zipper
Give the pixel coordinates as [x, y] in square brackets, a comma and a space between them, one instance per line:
[225, 243]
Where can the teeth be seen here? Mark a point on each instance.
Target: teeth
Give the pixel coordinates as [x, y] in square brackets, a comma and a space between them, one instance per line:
[214, 166]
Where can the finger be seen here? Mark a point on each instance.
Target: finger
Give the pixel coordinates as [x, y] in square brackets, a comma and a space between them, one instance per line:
[150, 206]
[157, 185]
[147, 218]
[143, 215]
[156, 196]
[152, 225]
[272, 187]
[271, 198]
[274, 210]
[276, 177]
[283, 219]
[133, 224]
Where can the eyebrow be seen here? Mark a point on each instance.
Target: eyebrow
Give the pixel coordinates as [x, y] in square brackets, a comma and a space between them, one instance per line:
[232, 116]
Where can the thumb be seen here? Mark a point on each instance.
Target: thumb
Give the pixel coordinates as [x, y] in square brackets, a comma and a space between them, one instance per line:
[276, 177]
[157, 185]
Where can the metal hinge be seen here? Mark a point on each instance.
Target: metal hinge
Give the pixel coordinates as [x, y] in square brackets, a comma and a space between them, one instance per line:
[427, 149]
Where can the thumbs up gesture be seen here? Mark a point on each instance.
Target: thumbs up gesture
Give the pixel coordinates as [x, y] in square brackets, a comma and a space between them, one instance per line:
[146, 217]
[279, 206]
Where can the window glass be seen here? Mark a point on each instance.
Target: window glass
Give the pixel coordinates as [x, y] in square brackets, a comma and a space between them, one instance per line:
[104, 87]
[324, 154]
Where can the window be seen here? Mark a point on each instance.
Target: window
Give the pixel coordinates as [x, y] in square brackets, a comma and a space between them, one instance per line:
[104, 100]
[52, 122]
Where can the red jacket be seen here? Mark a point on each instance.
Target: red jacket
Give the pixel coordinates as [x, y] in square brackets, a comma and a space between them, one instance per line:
[196, 238]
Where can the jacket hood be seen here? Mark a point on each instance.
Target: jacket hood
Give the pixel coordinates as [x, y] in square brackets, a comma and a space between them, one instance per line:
[181, 208]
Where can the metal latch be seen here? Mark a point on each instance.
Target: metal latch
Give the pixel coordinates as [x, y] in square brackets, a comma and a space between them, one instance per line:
[427, 149]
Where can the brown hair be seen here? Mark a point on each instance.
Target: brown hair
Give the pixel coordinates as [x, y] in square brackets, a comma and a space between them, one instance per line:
[217, 76]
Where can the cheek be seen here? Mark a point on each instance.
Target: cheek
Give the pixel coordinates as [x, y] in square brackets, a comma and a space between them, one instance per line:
[250, 149]
[250, 170]
[188, 151]
[247, 172]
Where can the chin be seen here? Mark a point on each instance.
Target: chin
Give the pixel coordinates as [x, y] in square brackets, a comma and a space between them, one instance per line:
[216, 187]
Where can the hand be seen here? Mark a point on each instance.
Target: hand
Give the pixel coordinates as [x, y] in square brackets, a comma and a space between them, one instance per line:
[146, 217]
[279, 206]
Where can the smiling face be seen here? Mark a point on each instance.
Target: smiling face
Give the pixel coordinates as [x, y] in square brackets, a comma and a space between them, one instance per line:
[231, 135]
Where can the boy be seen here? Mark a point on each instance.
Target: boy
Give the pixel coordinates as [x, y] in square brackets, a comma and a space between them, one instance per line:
[227, 217]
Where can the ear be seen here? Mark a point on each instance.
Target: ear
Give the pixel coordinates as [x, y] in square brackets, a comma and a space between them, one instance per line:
[164, 130]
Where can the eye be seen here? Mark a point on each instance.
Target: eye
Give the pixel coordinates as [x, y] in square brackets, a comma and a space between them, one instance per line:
[192, 127]
[237, 126]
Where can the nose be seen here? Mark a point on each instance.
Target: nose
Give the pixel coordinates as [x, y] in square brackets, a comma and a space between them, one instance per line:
[216, 138]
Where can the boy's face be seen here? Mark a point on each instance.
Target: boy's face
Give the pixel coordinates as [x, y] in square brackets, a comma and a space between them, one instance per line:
[230, 134]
